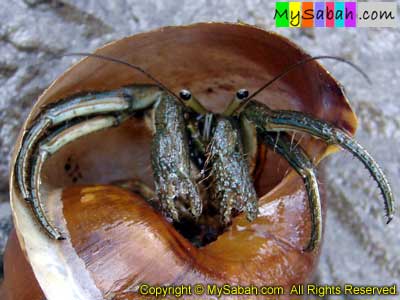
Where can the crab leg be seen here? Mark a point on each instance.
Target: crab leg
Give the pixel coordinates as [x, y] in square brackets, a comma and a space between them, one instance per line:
[70, 120]
[269, 120]
[299, 161]
[125, 99]
[51, 145]
[175, 184]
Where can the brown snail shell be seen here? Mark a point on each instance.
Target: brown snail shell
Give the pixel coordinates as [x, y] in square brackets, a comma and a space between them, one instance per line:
[114, 239]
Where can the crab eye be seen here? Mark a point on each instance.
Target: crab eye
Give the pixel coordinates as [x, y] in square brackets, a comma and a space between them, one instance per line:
[242, 94]
[185, 95]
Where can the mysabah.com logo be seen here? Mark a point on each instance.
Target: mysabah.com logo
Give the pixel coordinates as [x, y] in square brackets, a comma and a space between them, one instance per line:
[336, 14]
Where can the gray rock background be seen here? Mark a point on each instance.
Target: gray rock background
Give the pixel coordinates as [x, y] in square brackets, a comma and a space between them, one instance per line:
[358, 248]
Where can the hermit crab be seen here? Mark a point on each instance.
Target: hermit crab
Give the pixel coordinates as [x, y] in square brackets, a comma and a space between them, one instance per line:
[183, 124]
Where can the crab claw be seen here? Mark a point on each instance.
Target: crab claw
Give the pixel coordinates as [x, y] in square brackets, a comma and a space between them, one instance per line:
[233, 187]
[175, 186]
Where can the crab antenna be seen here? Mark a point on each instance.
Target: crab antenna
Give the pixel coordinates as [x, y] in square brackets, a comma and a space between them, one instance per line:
[132, 66]
[294, 66]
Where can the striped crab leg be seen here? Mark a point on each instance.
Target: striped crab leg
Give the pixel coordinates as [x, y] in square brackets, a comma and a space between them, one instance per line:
[126, 99]
[71, 120]
[295, 156]
[303, 165]
[49, 146]
[282, 120]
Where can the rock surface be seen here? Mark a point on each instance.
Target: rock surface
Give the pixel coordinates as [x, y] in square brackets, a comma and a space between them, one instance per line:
[358, 248]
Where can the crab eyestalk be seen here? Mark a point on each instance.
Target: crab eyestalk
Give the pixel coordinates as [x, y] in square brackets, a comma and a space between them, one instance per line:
[191, 102]
[240, 96]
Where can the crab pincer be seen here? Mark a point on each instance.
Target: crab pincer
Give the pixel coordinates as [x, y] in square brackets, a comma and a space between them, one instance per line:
[173, 174]
[233, 187]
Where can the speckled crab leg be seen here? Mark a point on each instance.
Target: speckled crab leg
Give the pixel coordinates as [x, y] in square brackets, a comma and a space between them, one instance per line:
[232, 183]
[125, 99]
[280, 120]
[299, 161]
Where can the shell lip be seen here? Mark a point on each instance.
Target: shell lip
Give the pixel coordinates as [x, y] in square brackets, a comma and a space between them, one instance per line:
[188, 27]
